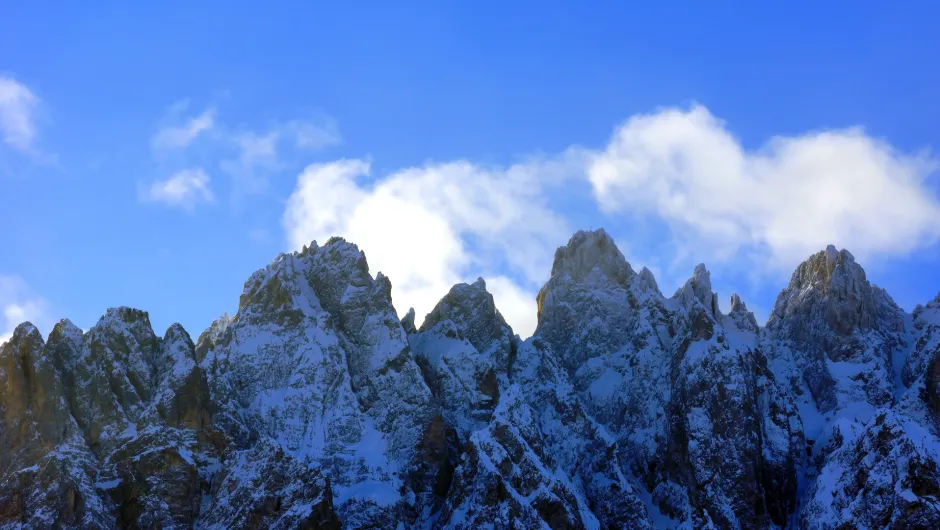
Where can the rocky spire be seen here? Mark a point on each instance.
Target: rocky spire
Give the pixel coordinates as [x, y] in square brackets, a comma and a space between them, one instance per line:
[591, 256]
[473, 311]
[699, 287]
[739, 313]
[648, 281]
[408, 321]
[831, 286]
[585, 308]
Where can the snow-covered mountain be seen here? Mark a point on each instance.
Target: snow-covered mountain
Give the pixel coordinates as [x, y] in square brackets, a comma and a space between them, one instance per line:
[314, 406]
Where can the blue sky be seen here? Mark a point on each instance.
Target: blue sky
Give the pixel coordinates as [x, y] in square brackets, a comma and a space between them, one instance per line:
[156, 155]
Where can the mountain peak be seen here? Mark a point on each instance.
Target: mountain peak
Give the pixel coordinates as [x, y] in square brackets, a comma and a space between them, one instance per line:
[592, 255]
[648, 281]
[408, 321]
[699, 287]
[472, 309]
[737, 304]
[25, 331]
[836, 285]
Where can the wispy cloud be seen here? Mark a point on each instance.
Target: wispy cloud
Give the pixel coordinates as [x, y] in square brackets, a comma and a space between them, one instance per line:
[257, 156]
[249, 156]
[181, 136]
[19, 107]
[185, 189]
[309, 135]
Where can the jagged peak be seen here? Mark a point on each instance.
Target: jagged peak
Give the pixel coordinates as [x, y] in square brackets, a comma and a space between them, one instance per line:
[738, 313]
[176, 332]
[124, 319]
[408, 321]
[737, 305]
[590, 254]
[66, 329]
[125, 314]
[818, 269]
[699, 287]
[208, 338]
[648, 281]
[309, 249]
[830, 284]
[25, 331]
[344, 254]
[472, 309]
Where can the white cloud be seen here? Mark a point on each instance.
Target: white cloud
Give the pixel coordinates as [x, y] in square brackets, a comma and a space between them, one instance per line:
[185, 189]
[516, 305]
[19, 304]
[779, 203]
[416, 226]
[308, 135]
[260, 154]
[17, 115]
[181, 136]
[432, 226]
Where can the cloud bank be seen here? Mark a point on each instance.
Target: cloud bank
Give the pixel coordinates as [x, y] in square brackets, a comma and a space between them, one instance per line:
[783, 201]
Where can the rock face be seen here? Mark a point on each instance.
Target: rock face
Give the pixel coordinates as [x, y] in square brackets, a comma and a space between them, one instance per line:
[314, 406]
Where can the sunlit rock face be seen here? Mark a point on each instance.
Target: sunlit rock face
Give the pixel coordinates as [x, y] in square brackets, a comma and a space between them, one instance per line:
[314, 406]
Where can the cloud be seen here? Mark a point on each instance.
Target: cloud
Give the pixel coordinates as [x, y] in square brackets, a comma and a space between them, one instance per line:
[430, 227]
[185, 189]
[517, 305]
[308, 135]
[777, 204]
[687, 188]
[261, 154]
[19, 304]
[257, 155]
[17, 115]
[181, 136]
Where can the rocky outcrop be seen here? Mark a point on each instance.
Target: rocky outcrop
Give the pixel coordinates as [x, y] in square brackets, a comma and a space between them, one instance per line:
[838, 331]
[314, 406]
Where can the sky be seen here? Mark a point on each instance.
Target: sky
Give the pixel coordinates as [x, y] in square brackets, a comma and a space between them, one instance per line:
[154, 155]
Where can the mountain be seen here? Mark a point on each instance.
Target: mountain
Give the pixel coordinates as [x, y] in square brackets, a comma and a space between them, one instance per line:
[315, 406]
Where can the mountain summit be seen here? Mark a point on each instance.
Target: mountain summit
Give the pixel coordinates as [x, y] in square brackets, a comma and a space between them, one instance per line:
[314, 406]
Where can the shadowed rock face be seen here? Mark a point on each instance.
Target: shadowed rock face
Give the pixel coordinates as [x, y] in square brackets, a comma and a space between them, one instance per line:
[314, 406]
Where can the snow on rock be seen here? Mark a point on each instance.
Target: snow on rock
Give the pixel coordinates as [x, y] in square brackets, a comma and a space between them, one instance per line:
[314, 406]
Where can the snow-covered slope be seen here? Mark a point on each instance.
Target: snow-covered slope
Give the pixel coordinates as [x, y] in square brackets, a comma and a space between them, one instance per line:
[314, 406]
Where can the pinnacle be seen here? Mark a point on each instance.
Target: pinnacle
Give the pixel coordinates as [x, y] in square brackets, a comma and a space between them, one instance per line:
[648, 280]
[176, 331]
[592, 254]
[737, 304]
[699, 287]
[25, 329]
[408, 321]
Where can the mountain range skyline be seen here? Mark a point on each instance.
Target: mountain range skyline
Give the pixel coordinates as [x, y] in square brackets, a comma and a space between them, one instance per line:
[144, 146]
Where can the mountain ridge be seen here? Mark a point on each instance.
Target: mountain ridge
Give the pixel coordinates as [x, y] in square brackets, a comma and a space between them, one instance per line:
[315, 406]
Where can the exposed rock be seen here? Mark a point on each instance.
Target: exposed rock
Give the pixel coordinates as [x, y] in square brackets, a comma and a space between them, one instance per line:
[315, 407]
